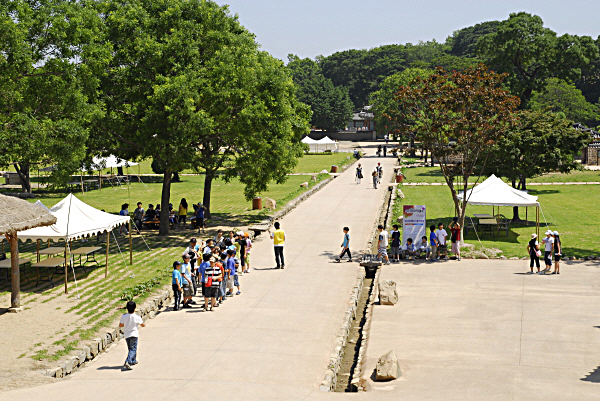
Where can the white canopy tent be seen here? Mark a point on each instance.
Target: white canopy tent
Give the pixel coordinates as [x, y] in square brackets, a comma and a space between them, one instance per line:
[100, 163]
[495, 192]
[76, 219]
[321, 145]
[40, 204]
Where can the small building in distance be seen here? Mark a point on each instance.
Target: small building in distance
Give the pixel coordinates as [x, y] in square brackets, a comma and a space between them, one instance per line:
[362, 120]
[591, 155]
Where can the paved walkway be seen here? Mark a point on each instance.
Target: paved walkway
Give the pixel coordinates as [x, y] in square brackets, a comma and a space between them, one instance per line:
[483, 330]
[271, 343]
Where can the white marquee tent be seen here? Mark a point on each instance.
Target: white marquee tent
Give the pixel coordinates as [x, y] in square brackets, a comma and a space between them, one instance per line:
[100, 163]
[76, 219]
[321, 145]
[495, 192]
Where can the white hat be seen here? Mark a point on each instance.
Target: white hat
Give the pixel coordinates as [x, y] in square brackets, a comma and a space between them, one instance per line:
[549, 232]
[534, 235]
[240, 232]
[555, 233]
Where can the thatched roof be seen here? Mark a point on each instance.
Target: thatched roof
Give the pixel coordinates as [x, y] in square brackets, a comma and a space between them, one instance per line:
[18, 215]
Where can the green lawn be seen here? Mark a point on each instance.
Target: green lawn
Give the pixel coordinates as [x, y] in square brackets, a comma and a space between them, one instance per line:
[306, 164]
[434, 174]
[568, 209]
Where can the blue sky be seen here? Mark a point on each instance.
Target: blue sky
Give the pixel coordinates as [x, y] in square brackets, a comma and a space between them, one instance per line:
[312, 27]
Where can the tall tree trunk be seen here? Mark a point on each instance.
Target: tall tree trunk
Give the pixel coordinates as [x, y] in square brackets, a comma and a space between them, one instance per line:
[208, 179]
[163, 228]
[15, 294]
[412, 147]
[23, 171]
[426, 156]
[176, 177]
[515, 208]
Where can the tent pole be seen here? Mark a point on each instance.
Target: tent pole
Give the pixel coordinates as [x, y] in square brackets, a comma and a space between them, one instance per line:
[66, 269]
[15, 294]
[82, 183]
[37, 249]
[537, 221]
[107, 247]
[130, 245]
[526, 210]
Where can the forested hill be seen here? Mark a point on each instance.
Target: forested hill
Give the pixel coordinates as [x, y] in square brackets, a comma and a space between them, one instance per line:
[521, 46]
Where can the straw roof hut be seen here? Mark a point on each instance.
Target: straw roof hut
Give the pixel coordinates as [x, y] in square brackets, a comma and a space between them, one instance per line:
[18, 215]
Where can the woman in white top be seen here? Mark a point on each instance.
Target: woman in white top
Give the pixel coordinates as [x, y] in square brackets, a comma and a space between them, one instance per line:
[548, 248]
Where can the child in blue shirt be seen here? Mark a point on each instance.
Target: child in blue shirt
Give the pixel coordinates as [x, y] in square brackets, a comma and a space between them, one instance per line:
[433, 241]
[345, 246]
[231, 266]
[176, 284]
[202, 269]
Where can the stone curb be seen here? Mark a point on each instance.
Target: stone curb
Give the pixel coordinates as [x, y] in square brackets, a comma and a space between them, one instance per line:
[91, 349]
[358, 380]
[330, 379]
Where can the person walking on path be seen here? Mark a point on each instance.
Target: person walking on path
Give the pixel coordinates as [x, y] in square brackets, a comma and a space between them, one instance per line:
[130, 322]
[382, 244]
[548, 248]
[375, 175]
[455, 237]
[379, 173]
[441, 235]
[345, 246]
[359, 173]
[433, 241]
[278, 237]
[384, 150]
[186, 279]
[557, 252]
[379, 151]
[533, 249]
[176, 284]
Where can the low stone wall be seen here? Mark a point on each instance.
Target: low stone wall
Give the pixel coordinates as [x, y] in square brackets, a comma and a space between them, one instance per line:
[335, 359]
[91, 349]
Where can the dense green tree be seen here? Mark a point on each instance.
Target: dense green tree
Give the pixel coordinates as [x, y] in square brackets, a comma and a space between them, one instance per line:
[185, 73]
[560, 96]
[540, 142]
[531, 54]
[256, 126]
[589, 83]
[467, 108]
[331, 106]
[51, 54]
[463, 43]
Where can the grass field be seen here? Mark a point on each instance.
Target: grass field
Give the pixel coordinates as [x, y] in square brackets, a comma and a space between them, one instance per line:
[570, 210]
[434, 174]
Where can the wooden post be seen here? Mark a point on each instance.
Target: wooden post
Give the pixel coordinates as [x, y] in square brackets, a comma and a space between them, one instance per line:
[537, 221]
[66, 266]
[130, 245]
[37, 249]
[100, 180]
[107, 247]
[82, 192]
[15, 294]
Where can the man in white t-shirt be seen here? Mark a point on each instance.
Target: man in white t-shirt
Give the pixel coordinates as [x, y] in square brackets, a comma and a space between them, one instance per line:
[548, 248]
[441, 235]
[129, 322]
[382, 243]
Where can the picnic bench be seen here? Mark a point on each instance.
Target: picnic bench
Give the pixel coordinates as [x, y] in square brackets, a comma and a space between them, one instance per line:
[150, 223]
[6, 264]
[48, 264]
[488, 225]
[50, 251]
[87, 251]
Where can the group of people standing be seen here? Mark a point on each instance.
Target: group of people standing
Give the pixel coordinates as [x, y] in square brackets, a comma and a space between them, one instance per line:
[552, 245]
[214, 266]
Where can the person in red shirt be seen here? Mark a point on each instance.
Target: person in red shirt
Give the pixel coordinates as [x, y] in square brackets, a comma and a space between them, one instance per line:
[455, 237]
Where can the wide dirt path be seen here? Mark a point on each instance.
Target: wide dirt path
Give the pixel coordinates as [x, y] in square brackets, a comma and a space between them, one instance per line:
[271, 342]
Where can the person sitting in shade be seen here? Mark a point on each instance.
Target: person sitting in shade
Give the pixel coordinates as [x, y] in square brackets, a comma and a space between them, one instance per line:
[409, 249]
[424, 248]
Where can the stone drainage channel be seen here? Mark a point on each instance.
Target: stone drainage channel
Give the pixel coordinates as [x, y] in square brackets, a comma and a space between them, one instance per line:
[349, 371]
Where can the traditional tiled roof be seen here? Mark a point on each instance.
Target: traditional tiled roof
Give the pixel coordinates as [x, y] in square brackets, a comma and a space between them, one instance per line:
[595, 134]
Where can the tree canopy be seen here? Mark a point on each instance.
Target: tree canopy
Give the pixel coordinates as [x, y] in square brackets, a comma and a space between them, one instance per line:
[48, 80]
[186, 74]
[331, 105]
[531, 54]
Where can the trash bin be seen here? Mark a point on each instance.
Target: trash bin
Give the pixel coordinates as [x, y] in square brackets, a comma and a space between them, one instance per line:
[257, 203]
[399, 178]
[334, 169]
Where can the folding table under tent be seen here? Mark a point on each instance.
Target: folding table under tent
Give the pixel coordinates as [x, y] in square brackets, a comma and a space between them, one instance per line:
[76, 220]
[495, 192]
